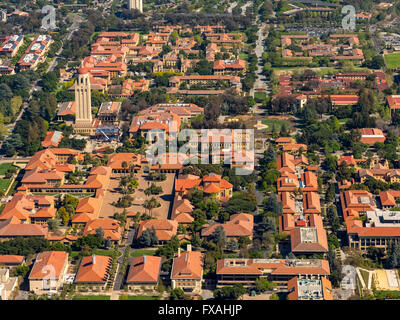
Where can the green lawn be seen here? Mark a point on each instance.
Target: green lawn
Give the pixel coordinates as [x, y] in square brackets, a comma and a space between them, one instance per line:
[139, 253]
[278, 124]
[243, 56]
[74, 254]
[393, 60]
[100, 252]
[259, 96]
[91, 297]
[4, 167]
[108, 253]
[4, 183]
[13, 187]
[126, 297]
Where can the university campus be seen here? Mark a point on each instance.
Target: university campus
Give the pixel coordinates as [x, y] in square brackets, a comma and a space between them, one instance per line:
[199, 150]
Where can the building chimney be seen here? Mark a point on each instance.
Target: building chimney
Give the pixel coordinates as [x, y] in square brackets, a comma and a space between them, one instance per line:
[179, 252]
[144, 259]
[94, 259]
[189, 247]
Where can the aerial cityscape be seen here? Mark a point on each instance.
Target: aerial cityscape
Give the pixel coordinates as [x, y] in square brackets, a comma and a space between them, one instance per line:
[200, 150]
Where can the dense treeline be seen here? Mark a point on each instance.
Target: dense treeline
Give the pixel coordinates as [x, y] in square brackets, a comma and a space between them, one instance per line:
[32, 128]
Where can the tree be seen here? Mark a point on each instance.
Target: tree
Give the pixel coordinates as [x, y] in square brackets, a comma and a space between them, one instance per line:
[269, 155]
[168, 250]
[377, 62]
[203, 67]
[229, 292]
[335, 267]
[212, 207]
[241, 202]
[375, 253]
[64, 216]
[343, 172]
[91, 241]
[100, 233]
[50, 81]
[272, 204]
[177, 294]
[330, 193]
[232, 245]
[219, 236]
[21, 270]
[5, 92]
[151, 204]
[145, 239]
[274, 296]
[52, 224]
[267, 224]
[393, 259]
[333, 241]
[333, 218]
[153, 189]
[262, 285]
[121, 217]
[196, 197]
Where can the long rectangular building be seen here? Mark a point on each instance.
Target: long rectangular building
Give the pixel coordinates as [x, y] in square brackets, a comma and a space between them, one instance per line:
[247, 271]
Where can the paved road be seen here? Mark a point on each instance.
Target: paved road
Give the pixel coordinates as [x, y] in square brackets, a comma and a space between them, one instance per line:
[119, 278]
[261, 80]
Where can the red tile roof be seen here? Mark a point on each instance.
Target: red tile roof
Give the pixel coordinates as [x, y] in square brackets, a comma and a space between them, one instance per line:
[49, 263]
[9, 259]
[239, 225]
[189, 265]
[93, 271]
[144, 269]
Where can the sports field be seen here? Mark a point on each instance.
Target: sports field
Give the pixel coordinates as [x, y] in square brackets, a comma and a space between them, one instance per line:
[393, 60]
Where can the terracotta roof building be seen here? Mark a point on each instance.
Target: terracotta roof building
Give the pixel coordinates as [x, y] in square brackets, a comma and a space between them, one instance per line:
[389, 198]
[309, 289]
[111, 227]
[165, 229]
[308, 182]
[239, 225]
[371, 136]
[288, 202]
[187, 271]
[93, 272]
[48, 271]
[144, 272]
[52, 139]
[11, 260]
[287, 182]
[36, 209]
[66, 111]
[184, 111]
[124, 162]
[355, 202]
[381, 226]
[181, 210]
[210, 184]
[247, 271]
[13, 228]
[307, 233]
[344, 99]
[393, 102]
[235, 67]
